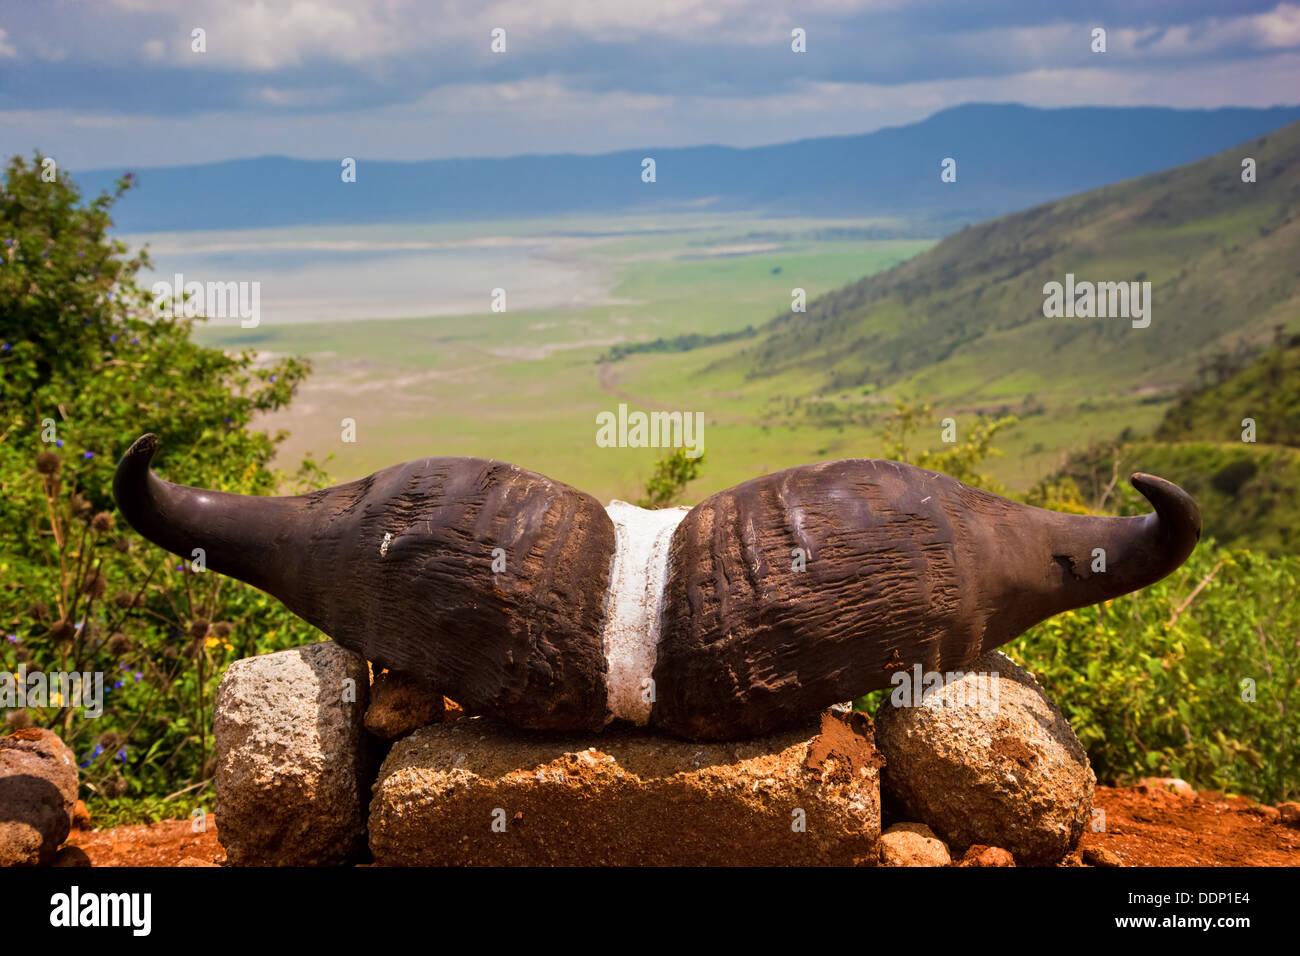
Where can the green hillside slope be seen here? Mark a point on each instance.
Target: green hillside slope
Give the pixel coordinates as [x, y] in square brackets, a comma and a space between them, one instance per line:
[965, 321]
[1247, 490]
[1266, 391]
[1247, 493]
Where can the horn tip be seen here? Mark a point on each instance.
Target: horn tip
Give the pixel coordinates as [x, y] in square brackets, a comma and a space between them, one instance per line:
[1169, 500]
[133, 470]
[143, 447]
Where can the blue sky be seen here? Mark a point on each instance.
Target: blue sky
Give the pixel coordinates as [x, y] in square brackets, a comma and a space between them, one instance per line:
[115, 82]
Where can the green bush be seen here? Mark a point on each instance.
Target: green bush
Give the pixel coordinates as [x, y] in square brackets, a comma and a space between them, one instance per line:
[1196, 676]
[85, 368]
[672, 473]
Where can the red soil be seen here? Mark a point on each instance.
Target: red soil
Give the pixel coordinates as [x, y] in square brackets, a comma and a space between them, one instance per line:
[1145, 826]
[1152, 826]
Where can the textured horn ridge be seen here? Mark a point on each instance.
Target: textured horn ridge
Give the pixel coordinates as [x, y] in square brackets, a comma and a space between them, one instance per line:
[781, 595]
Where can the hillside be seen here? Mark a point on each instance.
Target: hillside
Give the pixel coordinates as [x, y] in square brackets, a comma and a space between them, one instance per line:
[965, 319]
[1009, 157]
[1246, 490]
[1266, 390]
[1246, 493]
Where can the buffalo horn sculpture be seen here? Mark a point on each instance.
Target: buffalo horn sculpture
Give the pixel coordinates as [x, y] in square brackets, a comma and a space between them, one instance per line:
[523, 598]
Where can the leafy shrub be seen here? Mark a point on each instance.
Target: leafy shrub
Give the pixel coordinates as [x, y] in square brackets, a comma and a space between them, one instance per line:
[672, 473]
[85, 367]
[961, 459]
[1196, 676]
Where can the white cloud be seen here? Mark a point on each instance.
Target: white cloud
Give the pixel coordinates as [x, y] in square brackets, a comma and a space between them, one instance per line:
[6, 48]
[1280, 28]
[266, 35]
[546, 115]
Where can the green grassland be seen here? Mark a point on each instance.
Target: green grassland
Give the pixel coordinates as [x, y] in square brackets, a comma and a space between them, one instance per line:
[526, 386]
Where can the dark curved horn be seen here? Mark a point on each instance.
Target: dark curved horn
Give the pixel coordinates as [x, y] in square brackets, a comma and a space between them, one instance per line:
[240, 534]
[1178, 517]
[485, 580]
[1077, 560]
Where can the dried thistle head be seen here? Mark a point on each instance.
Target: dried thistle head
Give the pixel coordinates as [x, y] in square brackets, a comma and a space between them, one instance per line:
[48, 463]
[111, 741]
[61, 631]
[123, 600]
[18, 720]
[95, 584]
[119, 644]
[39, 611]
[122, 545]
[102, 522]
[80, 506]
[222, 629]
[199, 628]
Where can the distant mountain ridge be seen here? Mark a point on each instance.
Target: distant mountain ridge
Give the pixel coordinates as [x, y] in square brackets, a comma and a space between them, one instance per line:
[1009, 157]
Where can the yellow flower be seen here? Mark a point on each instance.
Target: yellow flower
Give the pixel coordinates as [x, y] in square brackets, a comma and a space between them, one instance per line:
[211, 642]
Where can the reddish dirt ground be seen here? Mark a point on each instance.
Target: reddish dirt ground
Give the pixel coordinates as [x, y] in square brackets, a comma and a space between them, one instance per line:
[1145, 826]
[166, 843]
[1152, 826]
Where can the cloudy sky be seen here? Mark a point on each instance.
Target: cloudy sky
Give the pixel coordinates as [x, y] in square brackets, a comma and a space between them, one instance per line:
[116, 82]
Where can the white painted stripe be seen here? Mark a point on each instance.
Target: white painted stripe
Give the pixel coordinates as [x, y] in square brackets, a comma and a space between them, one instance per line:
[634, 604]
